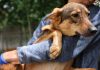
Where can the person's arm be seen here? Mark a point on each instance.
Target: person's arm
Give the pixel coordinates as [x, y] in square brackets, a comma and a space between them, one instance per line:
[28, 54]
[10, 57]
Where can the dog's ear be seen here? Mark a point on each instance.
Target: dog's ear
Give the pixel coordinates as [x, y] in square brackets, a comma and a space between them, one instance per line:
[57, 11]
[55, 17]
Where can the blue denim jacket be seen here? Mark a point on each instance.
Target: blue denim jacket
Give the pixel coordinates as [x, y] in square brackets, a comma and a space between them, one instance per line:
[72, 46]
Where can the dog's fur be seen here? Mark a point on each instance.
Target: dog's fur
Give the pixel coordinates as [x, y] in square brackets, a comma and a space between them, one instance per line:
[72, 20]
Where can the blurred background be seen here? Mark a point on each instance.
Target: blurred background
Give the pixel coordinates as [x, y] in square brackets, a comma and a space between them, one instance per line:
[19, 18]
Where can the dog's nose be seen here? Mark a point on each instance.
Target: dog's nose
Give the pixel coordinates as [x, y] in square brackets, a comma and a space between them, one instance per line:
[93, 30]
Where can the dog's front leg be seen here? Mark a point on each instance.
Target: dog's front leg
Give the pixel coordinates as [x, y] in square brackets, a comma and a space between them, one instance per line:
[56, 46]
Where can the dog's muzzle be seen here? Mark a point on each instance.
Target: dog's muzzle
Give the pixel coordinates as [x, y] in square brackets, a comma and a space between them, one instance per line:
[91, 31]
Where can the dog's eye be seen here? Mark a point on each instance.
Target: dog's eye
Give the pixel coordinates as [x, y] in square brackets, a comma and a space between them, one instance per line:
[75, 15]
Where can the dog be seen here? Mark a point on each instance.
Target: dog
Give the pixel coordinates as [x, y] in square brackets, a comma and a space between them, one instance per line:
[72, 20]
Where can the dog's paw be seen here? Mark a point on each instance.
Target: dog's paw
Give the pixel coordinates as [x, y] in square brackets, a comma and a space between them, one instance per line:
[54, 51]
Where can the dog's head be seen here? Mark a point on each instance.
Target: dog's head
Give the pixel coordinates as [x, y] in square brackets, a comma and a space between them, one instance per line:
[73, 20]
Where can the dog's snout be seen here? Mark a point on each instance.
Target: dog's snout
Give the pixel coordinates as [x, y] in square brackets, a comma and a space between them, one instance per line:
[93, 30]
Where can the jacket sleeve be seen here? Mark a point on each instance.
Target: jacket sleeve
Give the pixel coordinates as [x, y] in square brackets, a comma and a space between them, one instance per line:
[38, 30]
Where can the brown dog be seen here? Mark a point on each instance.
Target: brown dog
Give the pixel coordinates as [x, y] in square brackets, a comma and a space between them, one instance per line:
[72, 20]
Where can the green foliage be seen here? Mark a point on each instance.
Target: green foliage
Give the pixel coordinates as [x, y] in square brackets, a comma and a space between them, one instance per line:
[25, 12]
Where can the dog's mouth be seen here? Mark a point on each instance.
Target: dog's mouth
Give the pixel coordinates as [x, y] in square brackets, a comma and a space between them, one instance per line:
[77, 33]
[86, 34]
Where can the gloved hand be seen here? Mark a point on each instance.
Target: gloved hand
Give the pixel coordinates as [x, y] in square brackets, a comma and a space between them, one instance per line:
[2, 60]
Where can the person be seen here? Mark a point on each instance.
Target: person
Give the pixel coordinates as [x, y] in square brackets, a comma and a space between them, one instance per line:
[85, 50]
